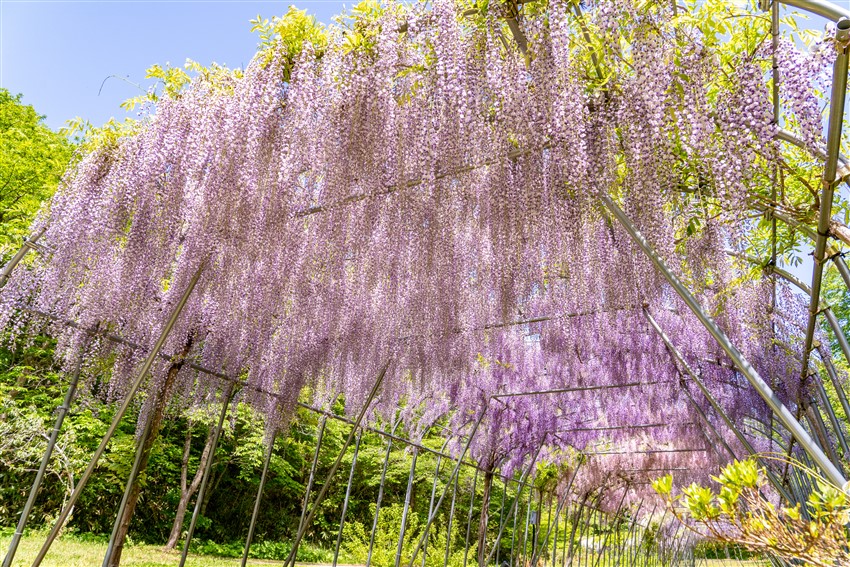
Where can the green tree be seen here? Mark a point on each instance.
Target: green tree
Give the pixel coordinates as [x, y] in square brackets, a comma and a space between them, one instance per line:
[32, 160]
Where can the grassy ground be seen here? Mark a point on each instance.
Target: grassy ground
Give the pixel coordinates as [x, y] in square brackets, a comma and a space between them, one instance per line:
[72, 552]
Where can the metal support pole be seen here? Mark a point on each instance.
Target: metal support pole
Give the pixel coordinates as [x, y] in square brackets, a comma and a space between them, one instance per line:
[16, 259]
[347, 496]
[445, 490]
[838, 260]
[290, 560]
[558, 511]
[202, 490]
[502, 520]
[431, 502]
[449, 525]
[122, 410]
[833, 376]
[406, 507]
[743, 440]
[608, 533]
[469, 517]
[61, 412]
[260, 488]
[515, 507]
[833, 419]
[312, 477]
[750, 373]
[833, 145]
[549, 528]
[128, 489]
[380, 495]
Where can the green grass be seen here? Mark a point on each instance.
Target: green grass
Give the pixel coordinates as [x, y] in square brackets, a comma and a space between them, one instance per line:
[73, 551]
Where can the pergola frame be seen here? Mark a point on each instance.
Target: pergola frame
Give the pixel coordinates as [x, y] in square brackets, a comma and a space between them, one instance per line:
[822, 254]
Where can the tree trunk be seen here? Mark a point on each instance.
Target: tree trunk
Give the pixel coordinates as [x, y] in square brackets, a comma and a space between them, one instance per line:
[484, 519]
[155, 420]
[186, 492]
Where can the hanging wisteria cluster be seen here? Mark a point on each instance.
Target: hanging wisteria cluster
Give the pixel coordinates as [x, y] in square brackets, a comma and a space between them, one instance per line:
[429, 198]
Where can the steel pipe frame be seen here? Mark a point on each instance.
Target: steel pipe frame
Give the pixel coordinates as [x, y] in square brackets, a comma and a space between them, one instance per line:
[830, 318]
[202, 490]
[431, 503]
[319, 436]
[750, 373]
[545, 543]
[61, 412]
[449, 524]
[321, 496]
[743, 440]
[501, 520]
[514, 507]
[836, 120]
[347, 496]
[122, 410]
[256, 512]
[608, 533]
[380, 496]
[406, 508]
[469, 518]
[29, 244]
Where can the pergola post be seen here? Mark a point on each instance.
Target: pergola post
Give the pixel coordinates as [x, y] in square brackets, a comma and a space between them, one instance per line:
[469, 517]
[122, 410]
[782, 412]
[445, 490]
[319, 435]
[256, 511]
[61, 412]
[380, 494]
[290, 560]
[347, 496]
[202, 490]
[29, 243]
[406, 508]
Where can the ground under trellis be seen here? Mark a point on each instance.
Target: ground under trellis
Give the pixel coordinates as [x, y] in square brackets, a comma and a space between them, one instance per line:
[484, 225]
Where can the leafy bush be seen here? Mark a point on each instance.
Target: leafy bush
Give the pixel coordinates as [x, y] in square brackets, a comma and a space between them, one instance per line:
[356, 540]
[739, 514]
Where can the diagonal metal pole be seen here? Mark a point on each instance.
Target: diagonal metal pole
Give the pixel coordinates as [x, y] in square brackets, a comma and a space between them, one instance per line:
[608, 532]
[319, 435]
[502, 520]
[380, 495]
[750, 373]
[290, 560]
[445, 490]
[61, 412]
[122, 410]
[256, 512]
[433, 494]
[406, 508]
[833, 145]
[514, 508]
[714, 404]
[449, 524]
[347, 496]
[469, 517]
[29, 243]
[202, 490]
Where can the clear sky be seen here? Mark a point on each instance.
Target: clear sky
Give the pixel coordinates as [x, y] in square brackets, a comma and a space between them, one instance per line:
[58, 53]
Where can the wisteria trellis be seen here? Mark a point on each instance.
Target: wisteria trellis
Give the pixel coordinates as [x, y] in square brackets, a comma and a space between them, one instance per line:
[433, 200]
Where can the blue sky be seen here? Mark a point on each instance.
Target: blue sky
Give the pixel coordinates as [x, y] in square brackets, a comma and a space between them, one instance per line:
[59, 52]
